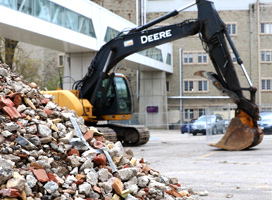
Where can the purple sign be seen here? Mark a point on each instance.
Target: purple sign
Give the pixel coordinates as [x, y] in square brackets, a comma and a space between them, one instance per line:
[152, 109]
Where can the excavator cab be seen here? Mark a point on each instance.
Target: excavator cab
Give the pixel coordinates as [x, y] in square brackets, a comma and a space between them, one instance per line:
[114, 101]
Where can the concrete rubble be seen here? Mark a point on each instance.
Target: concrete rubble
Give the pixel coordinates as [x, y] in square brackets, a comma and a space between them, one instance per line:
[39, 161]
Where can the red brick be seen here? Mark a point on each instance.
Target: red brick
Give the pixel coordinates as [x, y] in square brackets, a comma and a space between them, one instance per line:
[19, 123]
[11, 112]
[73, 151]
[88, 136]
[47, 111]
[40, 175]
[174, 193]
[22, 155]
[10, 192]
[79, 182]
[53, 178]
[12, 95]
[97, 189]
[17, 101]
[145, 168]
[100, 138]
[5, 102]
[98, 144]
[100, 159]
[45, 101]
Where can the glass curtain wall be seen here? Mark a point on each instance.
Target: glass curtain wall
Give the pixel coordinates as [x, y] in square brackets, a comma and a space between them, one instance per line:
[54, 13]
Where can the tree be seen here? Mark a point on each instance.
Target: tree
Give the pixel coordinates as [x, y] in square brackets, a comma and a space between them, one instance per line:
[9, 50]
[45, 73]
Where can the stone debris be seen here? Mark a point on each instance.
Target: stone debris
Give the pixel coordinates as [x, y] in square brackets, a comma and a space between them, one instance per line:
[38, 161]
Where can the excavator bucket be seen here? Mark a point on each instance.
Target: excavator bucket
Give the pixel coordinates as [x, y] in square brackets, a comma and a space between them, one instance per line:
[241, 134]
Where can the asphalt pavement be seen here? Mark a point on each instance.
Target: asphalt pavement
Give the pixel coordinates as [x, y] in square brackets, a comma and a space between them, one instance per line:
[235, 175]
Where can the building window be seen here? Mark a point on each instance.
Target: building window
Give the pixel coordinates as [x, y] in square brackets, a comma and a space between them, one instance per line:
[266, 56]
[266, 109]
[188, 86]
[8, 3]
[167, 86]
[154, 53]
[193, 113]
[202, 86]
[190, 58]
[189, 113]
[266, 84]
[201, 112]
[195, 86]
[61, 59]
[110, 34]
[169, 59]
[266, 28]
[53, 13]
[43, 9]
[232, 28]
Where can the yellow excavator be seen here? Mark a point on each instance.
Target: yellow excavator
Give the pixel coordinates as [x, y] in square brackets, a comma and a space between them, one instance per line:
[105, 95]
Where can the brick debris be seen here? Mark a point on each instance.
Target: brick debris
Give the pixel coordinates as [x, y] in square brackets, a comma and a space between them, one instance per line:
[39, 161]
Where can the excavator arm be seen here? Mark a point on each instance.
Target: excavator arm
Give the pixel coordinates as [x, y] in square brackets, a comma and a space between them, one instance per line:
[243, 131]
[214, 36]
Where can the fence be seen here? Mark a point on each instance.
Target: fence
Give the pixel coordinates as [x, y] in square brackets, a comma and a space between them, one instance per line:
[176, 119]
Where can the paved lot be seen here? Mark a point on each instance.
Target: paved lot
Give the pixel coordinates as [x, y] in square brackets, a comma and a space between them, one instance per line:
[235, 175]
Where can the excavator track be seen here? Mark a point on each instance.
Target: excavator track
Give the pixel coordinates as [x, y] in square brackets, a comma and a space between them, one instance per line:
[129, 135]
[109, 134]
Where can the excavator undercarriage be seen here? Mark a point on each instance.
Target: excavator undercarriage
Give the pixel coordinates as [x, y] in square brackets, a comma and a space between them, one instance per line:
[129, 135]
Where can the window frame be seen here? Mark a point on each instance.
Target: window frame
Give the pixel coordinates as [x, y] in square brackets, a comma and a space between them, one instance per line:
[192, 58]
[192, 113]
[267, 87]
[265, 24]
[231, 24]
[263, 56]
[187, 83]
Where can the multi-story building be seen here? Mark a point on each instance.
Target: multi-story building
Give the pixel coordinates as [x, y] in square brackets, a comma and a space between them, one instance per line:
[250, 26]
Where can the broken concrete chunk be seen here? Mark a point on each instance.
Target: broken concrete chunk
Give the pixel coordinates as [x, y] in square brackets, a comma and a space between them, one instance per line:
[6, 164]
[127, 173]
[44, 131]
[5, 174]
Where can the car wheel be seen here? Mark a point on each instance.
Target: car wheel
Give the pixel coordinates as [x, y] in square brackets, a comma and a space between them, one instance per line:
[194, 133]
[214, 130]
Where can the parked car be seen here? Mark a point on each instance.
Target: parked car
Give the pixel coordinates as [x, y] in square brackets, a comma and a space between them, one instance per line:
[187, 127]
[266, 122]
[215, 123]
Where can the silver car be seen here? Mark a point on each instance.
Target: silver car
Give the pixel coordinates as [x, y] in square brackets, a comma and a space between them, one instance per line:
[266, 122]
[215, 123]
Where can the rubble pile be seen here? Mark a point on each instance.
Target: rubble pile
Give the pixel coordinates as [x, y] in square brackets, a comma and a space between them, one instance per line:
[43, 157]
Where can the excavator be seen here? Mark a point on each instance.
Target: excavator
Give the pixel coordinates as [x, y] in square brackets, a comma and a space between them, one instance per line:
[103, 94]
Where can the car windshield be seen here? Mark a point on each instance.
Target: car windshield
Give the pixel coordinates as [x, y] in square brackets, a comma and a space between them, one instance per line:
[206, 118]
[266, 116]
